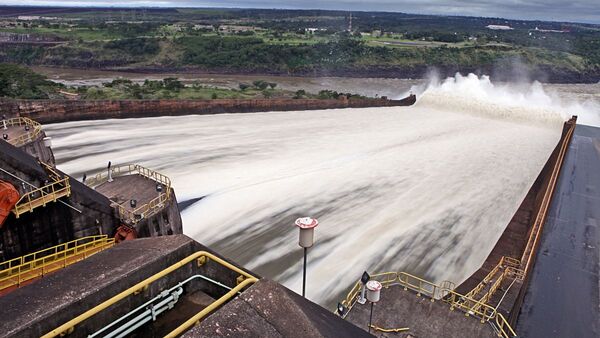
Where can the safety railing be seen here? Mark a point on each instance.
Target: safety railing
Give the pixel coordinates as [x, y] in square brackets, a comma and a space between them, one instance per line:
[34, 131]
[54, 175]
[18, 270]
[145, 210]
[200, 258]
[506, 268]
[526, 258]
[470, 306]
[41, 196]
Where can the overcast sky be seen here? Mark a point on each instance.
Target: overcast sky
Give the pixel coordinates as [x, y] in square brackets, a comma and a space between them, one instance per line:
[554, 10]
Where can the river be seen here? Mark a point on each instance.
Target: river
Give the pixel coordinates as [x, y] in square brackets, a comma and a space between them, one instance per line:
[426, 189]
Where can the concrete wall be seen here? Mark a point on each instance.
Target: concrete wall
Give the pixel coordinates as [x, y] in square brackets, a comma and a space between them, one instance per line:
[37, 149]
[54, 223]
[57, 298]
[513, 240]
[165, 222]
[51, 111]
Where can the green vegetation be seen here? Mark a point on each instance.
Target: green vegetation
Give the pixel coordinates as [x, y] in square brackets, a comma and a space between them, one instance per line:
[22, 83]
[173, 88]
[297, 42]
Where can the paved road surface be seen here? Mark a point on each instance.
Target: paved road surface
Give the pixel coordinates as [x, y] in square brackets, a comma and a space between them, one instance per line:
[562, 299]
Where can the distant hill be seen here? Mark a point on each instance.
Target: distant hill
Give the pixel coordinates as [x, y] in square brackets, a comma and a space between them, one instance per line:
[297, 42]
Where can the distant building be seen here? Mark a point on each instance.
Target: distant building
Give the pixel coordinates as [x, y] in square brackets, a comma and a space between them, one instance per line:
[237, 29]
[550, 30]
[499, 27]
[203, 27]
[35, 17]
[313, 30]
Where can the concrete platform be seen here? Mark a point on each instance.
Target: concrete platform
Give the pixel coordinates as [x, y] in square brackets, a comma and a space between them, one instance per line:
[268, 309]
[14, 132]
[399, 308]
[562, 298]
[125, 188]
[45, 304]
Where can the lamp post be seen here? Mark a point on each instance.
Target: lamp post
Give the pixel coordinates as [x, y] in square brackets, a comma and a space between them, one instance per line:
[373, 295]
[307, 227]
[363, 279]
[110, 179]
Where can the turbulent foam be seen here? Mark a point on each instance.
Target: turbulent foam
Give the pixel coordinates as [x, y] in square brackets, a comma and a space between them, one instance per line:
[514, 102]
[423, 189]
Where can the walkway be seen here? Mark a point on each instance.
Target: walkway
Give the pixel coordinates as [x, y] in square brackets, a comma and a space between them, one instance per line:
[562, 298]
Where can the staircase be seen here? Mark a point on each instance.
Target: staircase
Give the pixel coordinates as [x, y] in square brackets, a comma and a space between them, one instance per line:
[39, 197]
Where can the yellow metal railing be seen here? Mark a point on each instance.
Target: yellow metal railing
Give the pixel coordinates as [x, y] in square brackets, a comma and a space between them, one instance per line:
[54, 175]
[444, 292]
[32, 134]
[201, 258]
[41, 196]
[506, 268]
[18, 270]
[145, 210]
[526, 258]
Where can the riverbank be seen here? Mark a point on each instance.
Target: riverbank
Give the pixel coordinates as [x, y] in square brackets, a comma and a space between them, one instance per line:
[543, 74]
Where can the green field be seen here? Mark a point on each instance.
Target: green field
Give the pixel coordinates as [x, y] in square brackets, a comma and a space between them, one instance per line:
[298, 42]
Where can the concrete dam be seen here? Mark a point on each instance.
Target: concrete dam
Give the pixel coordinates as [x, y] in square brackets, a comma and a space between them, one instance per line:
[442, 204]
[411, 186]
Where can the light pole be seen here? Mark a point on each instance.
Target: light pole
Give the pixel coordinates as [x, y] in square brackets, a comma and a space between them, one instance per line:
[109, 174]
[363, 279]
[307, 227]
[373, 295]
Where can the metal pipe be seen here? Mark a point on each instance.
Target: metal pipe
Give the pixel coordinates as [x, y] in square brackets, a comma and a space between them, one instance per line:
[33, 186]
[196, 319]
[304, 276]
[371, 316]
[69, 325]
[147, 315]
[143, 317]
[176, 287]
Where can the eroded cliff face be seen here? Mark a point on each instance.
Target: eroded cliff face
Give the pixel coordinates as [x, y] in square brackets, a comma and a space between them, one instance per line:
[52, 111]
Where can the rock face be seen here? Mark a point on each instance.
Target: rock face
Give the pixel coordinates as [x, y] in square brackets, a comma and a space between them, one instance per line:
[53, 111]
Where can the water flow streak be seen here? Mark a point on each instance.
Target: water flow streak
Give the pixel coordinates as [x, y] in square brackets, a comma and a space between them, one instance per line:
[426, 189]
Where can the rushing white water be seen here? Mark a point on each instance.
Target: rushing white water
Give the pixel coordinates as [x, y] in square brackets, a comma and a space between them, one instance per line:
[426, 189]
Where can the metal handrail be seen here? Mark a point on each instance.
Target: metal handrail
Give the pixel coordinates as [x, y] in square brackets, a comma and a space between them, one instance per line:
[39, 263]
[200, 257]
[40, 196]
[128, 169]
[541, 215]
[31, 135]
[471, 307]
[509, 267]
[145, 210]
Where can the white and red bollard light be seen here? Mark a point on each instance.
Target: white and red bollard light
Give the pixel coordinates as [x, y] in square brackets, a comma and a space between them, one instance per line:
[307, 227]
[373, 296]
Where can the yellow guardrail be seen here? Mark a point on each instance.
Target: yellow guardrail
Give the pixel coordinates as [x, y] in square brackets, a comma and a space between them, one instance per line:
[18, 270]
[145, 210]
[41, 196]
[201, 258]
[54, 175]
[470, 306]
[526, 258]
[395, 330]
[506, 268]
[34, 131]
